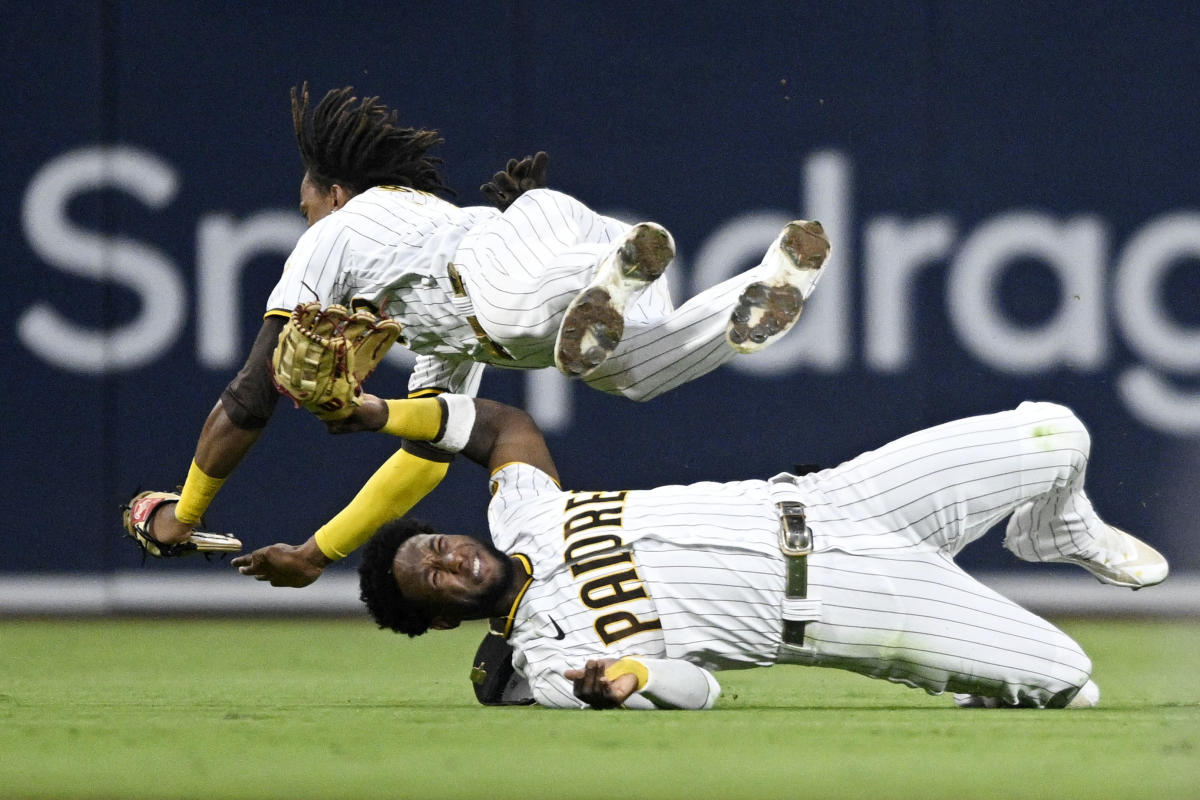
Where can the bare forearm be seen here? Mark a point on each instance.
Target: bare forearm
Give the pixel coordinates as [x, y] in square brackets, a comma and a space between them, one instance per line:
[231, 429]
[245, 407]
[223, 444]
[221, 447]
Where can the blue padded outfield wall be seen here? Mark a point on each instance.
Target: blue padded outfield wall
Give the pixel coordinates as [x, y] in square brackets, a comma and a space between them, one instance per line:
[1012, 190]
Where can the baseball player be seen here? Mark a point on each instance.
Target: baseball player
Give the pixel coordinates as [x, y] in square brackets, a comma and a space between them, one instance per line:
[635, 598]
[540, 280]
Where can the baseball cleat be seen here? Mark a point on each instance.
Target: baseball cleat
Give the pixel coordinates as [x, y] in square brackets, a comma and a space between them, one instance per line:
[1088, 696]
[963, 700]
[593, 323]
[1123, 560]
[768, 309]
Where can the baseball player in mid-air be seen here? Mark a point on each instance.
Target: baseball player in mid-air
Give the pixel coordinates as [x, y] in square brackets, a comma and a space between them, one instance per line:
[636, 598]
[540, 280]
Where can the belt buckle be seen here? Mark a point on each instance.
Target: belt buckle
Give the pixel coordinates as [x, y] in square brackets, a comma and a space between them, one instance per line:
[465, 308]
[794, 536]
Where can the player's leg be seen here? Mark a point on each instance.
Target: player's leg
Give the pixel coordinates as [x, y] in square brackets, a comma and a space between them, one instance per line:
[916, 618]
[658, 354]
[525, 266]
[741, 314]
[1059, 524]
[594, 322]
[770, 306]
[946, 486]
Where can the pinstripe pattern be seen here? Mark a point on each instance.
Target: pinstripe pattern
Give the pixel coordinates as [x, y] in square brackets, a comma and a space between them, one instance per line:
[390, 247]
[886, 526]
[919, 620]
[524, 267]
[459, 376]
[660, 353]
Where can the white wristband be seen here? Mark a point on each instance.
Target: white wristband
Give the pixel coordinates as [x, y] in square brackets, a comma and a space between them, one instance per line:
[457, 425]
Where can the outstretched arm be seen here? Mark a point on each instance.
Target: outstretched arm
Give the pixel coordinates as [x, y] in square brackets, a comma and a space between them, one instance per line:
[397, 486]
[489, 433]
[231, 429]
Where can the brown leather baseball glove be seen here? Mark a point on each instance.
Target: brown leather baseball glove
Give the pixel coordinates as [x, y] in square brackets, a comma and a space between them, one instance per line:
[324, 355]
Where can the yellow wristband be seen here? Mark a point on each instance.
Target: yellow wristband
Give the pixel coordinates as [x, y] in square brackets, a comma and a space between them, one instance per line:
[419, 419]
[628, 666]
[198, 491]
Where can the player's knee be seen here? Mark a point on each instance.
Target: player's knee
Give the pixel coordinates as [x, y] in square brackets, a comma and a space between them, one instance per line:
[1070, 670]
[1076, 664]
[1073, 658]
[1057, 428]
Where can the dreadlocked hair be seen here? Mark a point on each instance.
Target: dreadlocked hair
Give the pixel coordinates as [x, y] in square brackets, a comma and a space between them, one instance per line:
[377, 585]
[358, 144]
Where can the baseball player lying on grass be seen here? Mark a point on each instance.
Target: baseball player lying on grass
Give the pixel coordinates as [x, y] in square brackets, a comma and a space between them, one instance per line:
[539, 280]
[634, 598]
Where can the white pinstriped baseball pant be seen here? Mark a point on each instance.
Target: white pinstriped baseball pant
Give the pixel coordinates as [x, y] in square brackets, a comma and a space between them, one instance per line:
[887, 525]
[524, 267]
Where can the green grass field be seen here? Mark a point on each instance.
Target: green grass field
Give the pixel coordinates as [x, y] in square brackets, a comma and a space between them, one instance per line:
[253, 708]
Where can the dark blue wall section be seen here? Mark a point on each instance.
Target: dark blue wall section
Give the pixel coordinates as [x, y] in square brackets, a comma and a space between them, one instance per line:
[1011, 192]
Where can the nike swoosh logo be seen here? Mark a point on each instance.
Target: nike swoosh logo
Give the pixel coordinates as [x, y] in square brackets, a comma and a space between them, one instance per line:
[560, 633]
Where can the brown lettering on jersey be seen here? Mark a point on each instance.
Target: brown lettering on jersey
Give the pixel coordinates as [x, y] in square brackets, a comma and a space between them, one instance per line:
[617, 625]
[586, 511]
[586, 498]
[592, 518]
[606, 515]
[609, 590]
[594, 552]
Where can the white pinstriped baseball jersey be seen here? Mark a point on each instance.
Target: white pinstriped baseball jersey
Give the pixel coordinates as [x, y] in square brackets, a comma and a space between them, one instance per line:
[388, 247]
[391, 247]
[694, 572]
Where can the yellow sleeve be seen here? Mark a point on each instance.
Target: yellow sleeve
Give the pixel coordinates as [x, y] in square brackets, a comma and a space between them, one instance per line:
[419, 419]
[395, 488]
[197, 493]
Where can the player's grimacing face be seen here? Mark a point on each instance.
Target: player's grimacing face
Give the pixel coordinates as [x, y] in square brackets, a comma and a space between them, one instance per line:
[445, 571]
[315, 204]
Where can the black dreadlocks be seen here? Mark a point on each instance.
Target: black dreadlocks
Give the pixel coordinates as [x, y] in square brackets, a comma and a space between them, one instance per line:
[362, 146]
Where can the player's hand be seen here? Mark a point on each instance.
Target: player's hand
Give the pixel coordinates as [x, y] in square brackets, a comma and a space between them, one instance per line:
[167, 529]
[517, 178]
[284, 564]
[598, 691]
[370, 416]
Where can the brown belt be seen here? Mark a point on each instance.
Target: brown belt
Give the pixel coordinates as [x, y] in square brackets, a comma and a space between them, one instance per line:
[460, 290]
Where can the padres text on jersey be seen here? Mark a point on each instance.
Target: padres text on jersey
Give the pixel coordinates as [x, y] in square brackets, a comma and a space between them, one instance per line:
[603, 566]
